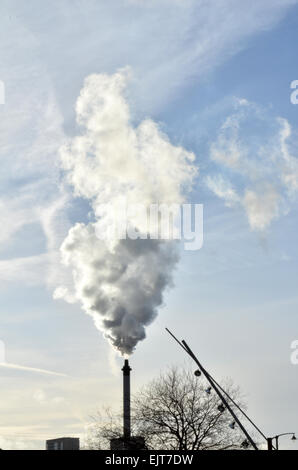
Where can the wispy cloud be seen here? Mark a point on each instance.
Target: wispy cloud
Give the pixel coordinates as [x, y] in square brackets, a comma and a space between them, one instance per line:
[31, 133]
[44, 399]
[183, 41]
[46, 52]
[8, 365]
[255, 168]
[169, 43]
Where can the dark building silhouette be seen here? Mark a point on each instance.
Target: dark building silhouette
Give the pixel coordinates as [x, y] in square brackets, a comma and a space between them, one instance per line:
[63, 443]
[134, 443]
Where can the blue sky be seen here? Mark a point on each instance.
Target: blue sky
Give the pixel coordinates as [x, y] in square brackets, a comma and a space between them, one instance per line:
[194, 67]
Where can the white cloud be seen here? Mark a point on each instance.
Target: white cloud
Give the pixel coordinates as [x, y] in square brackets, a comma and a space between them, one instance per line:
[14, 214]
[290, 167]
[182, 40]
[31, 133]
[169, 43]
[30, 270]
[254, 166]
[8, 365]
[223, 189]
[186, 40]
[40, 396]
[261, 206]
[54, 46]
[15, 444]
[43, 399]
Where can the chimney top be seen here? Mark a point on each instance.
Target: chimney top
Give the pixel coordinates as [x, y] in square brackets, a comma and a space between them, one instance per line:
[126, 369]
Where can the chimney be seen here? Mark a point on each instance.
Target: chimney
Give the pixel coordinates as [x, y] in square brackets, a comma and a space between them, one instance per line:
[126, 400]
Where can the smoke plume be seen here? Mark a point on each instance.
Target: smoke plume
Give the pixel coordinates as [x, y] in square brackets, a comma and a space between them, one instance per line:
[120, 282]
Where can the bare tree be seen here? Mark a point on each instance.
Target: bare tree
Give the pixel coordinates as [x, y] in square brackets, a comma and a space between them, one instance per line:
[176, 411]
[104, 426]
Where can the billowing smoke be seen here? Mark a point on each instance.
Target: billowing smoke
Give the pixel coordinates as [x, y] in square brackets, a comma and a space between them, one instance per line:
[120, 281]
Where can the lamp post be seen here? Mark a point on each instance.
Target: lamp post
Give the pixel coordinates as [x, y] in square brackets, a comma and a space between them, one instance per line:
[225, 399]
[270, 439]
[216, 387]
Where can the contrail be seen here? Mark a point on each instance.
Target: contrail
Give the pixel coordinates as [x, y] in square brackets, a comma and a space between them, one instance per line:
[8, 365]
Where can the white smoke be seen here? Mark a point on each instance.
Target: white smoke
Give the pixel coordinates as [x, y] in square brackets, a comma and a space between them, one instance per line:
[120, 283]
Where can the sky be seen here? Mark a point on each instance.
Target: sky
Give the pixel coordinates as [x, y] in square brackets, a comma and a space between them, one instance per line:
[214, 77]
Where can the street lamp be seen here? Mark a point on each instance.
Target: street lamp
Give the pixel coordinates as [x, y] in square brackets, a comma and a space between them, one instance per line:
[225, 399]
[220, 393]
[270, 439]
